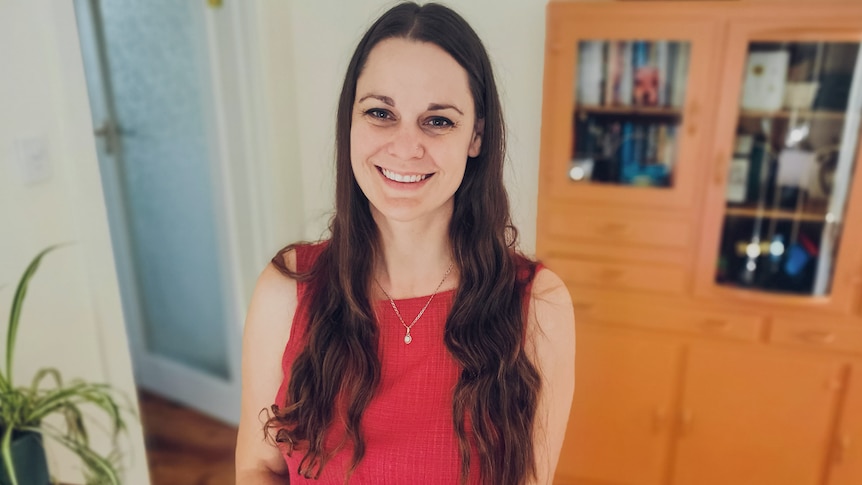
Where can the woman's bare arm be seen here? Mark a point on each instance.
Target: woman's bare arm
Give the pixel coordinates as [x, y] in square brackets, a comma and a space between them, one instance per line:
[267, 329]
[552, 349]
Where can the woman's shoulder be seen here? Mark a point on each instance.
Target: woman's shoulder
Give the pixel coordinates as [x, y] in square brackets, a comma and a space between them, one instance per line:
[297, 258]
[550, 301]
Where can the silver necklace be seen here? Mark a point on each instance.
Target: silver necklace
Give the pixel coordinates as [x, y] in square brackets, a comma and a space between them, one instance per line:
[407, 337]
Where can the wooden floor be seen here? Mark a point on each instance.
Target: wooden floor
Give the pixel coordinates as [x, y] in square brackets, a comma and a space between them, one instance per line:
[184, 447]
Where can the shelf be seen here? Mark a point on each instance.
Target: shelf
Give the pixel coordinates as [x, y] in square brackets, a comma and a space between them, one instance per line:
[775, 214]
[629, 110]
[787, 114]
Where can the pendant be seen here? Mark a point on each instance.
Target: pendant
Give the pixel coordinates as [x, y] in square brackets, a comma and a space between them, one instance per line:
[408, 338]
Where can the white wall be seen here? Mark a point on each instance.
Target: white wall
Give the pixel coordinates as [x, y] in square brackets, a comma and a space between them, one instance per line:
[316, 41]
[72, 318]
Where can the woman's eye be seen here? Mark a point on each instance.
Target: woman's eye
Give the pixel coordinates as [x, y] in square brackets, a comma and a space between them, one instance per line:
[439, 122]
[377, 113]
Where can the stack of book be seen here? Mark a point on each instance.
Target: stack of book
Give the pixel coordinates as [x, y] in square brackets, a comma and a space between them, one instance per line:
[627, 152]
[632, 73]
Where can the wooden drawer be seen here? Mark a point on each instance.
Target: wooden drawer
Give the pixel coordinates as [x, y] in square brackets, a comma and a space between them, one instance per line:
[705, 323]
[814, 334]
[664, 314]
[666, 278]
[617, 228]
[602, 251]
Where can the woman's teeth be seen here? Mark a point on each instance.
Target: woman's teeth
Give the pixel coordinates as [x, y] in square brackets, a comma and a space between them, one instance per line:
[402, 178]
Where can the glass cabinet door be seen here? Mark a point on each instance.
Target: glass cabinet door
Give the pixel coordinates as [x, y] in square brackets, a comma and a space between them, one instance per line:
[627, 114]
[789, 175]
[627, 105]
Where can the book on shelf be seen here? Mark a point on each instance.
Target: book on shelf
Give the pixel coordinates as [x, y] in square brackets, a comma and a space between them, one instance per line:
[637, 72]
[626, 155]
[670, 147]
[645, 74]
[612, 73]
[651, 145]
[626, 75]
[661, 65]
[680, 74]
[590, 75]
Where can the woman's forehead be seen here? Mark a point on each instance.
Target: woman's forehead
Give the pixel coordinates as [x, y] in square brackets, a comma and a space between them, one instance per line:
[411, 72]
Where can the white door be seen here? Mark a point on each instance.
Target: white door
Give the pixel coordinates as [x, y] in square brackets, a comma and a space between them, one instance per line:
[150, 77]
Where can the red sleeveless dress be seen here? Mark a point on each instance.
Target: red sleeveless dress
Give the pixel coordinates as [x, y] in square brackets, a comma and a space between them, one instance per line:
[408, 428]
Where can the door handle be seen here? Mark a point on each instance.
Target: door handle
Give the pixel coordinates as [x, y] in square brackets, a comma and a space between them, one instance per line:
[110, 131]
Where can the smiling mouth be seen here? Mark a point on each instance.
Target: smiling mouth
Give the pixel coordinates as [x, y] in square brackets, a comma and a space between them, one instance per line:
[404, 179]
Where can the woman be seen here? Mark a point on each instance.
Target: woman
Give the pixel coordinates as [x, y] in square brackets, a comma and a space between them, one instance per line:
[415, 346]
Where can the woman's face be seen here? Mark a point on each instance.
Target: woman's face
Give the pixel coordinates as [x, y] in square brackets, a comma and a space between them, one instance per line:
[413, 128]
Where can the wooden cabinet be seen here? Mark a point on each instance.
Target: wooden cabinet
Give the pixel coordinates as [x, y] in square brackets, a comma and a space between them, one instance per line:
[745, 422]
[623, 410]
[701, 196]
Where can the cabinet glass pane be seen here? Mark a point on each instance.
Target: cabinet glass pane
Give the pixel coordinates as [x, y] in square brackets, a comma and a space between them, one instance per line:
[629, 96]
[792, 164]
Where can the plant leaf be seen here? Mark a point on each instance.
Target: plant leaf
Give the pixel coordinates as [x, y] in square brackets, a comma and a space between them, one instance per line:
[15, 313]
[43, 373]
[7, 455]
[101, 467]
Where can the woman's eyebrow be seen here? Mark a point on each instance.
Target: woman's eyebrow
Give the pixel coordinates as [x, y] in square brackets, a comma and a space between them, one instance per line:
[385, 99]
[440, 107]
[390, 102]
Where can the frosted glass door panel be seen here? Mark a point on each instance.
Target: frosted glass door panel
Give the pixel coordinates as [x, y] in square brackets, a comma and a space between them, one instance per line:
[156, 61]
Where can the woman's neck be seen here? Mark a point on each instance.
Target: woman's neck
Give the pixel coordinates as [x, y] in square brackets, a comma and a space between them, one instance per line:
[415, 256]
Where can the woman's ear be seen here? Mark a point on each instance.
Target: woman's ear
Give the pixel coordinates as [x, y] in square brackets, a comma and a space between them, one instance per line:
[476, 142]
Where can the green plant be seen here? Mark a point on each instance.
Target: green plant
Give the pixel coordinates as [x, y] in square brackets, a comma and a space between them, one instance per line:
[24, 408]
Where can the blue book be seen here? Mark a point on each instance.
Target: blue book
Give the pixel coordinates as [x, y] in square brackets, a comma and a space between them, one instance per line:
[628, 169]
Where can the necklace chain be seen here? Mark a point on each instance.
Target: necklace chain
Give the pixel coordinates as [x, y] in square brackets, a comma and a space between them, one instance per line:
[407, 337]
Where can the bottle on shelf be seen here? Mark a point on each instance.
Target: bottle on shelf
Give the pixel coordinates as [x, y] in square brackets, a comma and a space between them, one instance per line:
[740, 168]
[757, 172]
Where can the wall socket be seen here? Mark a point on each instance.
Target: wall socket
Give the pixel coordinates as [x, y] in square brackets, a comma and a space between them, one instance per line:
[33, 159]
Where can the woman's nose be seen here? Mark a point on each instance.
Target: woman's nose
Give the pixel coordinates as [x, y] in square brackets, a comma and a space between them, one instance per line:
[406, 144]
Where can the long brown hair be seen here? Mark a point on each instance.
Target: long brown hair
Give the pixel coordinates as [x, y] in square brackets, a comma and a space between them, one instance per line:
[338, 370]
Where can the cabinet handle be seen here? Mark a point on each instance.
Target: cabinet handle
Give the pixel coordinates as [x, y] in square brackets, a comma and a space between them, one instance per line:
[818, 337]
[612, 229]
[842, 444]
[610, 274]
[685, 419]
[581, 306]
[720, 169]
[659, 419]
[714, 325]
[693, 110]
